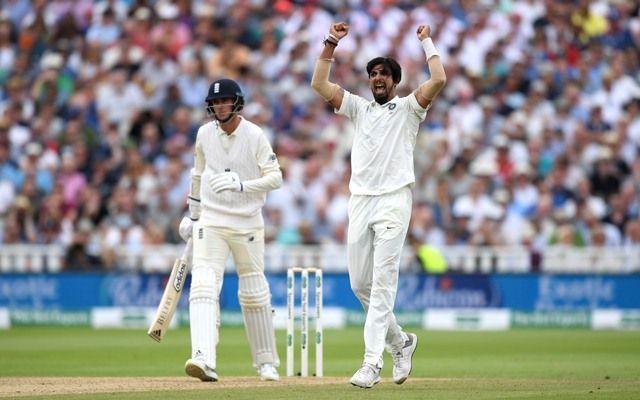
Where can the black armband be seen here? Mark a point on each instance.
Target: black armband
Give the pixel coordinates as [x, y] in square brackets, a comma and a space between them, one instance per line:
[330, 42]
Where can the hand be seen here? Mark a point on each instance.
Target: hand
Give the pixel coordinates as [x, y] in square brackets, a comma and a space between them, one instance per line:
[225, 181]
[339, 30]
[185, 230]
[423, 32]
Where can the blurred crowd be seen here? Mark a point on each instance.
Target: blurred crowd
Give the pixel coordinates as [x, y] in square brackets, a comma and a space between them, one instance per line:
[533, 142]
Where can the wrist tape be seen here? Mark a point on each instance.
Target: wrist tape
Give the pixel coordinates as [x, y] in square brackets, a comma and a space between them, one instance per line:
[429, 48]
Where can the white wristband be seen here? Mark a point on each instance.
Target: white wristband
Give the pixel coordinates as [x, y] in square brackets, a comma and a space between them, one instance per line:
[429, 48]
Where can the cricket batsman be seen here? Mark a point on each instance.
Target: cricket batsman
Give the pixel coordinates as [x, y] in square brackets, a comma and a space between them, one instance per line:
[234, 168]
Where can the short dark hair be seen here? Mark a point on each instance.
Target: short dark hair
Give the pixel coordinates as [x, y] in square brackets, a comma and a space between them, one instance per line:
[388, 63]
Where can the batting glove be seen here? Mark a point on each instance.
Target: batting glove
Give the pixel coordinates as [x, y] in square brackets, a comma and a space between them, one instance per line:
[225, 181]
[185, 230]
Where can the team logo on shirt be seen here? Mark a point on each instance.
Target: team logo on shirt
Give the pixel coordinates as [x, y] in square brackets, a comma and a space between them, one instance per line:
[391, 106]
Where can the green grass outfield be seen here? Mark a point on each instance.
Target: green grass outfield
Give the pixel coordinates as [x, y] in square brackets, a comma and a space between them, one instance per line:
[517, 364]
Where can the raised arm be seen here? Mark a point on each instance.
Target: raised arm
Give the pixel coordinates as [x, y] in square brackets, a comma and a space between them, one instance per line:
[330, 91]
[428, 90]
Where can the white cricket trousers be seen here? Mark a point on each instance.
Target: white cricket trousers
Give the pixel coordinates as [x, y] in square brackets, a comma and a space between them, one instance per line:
[211, 249]
[212, 246]
[377, 229]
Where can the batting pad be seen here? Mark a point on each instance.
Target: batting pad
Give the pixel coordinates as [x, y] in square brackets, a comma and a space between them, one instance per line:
[255, 300]
[204, 314]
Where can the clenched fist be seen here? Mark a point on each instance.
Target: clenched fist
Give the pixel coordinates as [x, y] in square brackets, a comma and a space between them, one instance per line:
[339, 30]
[423, 32]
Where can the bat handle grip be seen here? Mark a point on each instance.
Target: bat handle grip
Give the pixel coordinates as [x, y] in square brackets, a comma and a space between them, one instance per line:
[187, 253]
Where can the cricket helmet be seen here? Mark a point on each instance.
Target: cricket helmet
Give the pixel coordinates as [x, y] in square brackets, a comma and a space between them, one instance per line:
[226, 89]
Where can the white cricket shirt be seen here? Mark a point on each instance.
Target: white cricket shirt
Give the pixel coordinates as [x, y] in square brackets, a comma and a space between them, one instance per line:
[382, 151]
[247, 152]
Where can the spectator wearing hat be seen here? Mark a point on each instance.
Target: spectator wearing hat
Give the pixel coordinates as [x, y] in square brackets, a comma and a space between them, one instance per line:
[55, 83]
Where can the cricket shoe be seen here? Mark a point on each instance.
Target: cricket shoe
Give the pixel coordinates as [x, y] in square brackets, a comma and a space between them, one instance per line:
[268, 372]
[198, 369]
[367, 376]
[402, 359]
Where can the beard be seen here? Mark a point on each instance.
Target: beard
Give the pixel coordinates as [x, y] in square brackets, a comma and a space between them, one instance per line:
[381, 99]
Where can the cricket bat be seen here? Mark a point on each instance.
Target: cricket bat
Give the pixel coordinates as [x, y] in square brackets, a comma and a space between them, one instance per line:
[171, 295]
